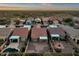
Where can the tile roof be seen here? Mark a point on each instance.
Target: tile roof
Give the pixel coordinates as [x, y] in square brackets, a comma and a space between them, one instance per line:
[23, 32]
[37, 32]
[37, 25]
[45, 19]
[52, 18]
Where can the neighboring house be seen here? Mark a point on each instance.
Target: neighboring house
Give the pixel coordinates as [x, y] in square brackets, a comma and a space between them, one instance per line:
[56, 33]
[73, 33]
[22, 32]
[17, 40]
[2, 41]
[45, 21]
[14, 44]
[55, 22]
[29, 21]
[5, 32]
[4, 35]
[76, 19]
[37, 20]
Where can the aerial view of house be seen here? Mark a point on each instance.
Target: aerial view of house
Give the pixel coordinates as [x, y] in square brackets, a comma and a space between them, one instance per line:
[39, 41]
[39, 29]
[4, 35]
[18, 39]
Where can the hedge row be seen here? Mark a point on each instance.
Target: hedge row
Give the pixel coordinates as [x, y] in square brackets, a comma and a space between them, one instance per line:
[41, 54]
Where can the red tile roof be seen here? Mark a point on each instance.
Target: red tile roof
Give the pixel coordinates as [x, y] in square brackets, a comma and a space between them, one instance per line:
[38, 31]
[23, 32]
[45, 19]
[37, 25]
[51, 18]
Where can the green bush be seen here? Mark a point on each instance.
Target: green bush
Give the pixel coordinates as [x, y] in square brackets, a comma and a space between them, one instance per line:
[1, 40]
[68, 20]
[15, 54]
[47, 54]
[61, 54]
[4, 21]
[76, 54]
[33, 54]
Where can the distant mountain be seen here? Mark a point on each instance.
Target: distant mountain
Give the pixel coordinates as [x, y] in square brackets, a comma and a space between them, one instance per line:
[41, 8]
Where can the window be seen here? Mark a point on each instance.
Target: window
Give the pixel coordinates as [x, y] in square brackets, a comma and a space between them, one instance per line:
[55, 38]
[15, 40]
[1, 40]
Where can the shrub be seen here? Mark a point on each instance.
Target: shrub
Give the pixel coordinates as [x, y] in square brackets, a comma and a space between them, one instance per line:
[33, 54]
[68, 20]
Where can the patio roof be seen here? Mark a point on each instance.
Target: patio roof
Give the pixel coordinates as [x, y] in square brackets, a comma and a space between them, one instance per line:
[55, 35]
[43, 37]
[14, 37]
[53, 26]
[27, 26]
[2, 26]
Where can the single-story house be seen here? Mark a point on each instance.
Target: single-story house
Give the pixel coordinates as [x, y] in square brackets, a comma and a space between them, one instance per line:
[56, 33]
[38, 33]
[22, 32]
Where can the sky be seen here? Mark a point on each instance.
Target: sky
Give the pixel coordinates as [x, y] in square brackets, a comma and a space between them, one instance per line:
[42, 6]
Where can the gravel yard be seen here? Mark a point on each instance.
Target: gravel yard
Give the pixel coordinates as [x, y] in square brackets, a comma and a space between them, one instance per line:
[38, 47]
